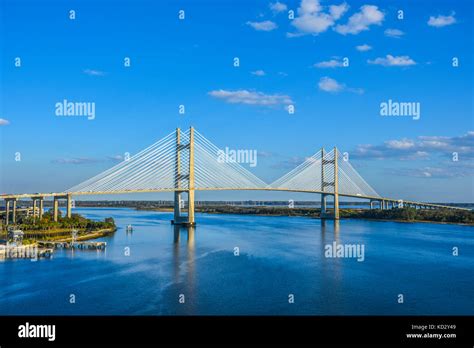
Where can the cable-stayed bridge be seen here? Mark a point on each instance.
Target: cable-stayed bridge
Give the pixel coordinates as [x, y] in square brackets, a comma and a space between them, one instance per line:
[185, 161]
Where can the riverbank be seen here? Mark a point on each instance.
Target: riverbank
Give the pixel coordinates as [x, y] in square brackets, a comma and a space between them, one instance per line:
[81, 236]
[442, 216]
[61, 230]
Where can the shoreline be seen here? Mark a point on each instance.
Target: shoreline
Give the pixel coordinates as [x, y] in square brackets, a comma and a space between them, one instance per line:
[103, 232]
[311, 211]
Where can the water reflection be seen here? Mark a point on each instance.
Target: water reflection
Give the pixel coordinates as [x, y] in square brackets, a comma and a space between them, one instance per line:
[185, 264]
[330, 233]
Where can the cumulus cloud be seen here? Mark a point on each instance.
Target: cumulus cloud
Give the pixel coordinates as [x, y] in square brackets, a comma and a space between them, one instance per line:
[258, 73]
[362, 20]
[313, 19]
[395, 33]
[390, 60]
[333, 63]
[363, 48]
[419, 148]
[277, 7]
[441, 21]
[92, 72]
[4, 122]
[243, 96]
[263, 26]
[330, 85]
[443, 171]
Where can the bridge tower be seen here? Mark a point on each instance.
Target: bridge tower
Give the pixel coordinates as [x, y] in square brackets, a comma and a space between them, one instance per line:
[335, 184]
[179, 218]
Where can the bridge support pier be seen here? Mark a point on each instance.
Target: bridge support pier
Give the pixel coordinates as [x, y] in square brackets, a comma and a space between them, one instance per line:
[7, 211]
[69, 205]
[40, 212]
[335, 184]
[180, 219]
[323, 203]
[10, 202]
[34, 209]
[55, 208]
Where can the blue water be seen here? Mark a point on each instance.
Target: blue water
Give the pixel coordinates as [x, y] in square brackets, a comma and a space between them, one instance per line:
[278, 256]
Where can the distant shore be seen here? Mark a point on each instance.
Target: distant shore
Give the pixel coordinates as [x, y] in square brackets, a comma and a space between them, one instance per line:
[441, 216]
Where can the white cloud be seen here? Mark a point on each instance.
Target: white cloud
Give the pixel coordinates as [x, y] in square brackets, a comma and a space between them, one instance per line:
[4, 122]
[328, 84]
[441, 21]
[263, 26]
[333, 63]
[116, 158]
[292, 35]
[390, 60]
[92, 72]
[258, 73]
[243, 96]
[395, 33]
[400, 144]
[277, 7]
[360, 21]
[419, 148]
[313, 20]
[337, 11]
[363, 48]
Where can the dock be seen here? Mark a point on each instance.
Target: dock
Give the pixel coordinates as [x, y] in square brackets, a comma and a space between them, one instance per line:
[74, 245]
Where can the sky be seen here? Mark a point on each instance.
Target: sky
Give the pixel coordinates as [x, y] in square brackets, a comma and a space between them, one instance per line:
[334, 62]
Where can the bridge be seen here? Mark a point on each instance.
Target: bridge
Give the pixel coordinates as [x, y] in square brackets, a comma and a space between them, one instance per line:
[184, 162]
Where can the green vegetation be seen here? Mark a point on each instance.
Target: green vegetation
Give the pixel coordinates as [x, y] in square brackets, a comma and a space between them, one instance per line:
[49, 229]
[403, 214]
[260, 210]
[75, 221]
[411, 214]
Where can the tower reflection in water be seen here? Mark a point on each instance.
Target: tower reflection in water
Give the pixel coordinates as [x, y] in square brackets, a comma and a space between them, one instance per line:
[184, 265]
[330, 233]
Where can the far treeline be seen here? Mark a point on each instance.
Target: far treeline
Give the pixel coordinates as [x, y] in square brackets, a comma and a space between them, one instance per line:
[75, 221]
[396, 214]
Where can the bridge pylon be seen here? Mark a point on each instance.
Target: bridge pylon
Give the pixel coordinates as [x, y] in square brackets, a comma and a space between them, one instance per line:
[179, 218]
[325, 214]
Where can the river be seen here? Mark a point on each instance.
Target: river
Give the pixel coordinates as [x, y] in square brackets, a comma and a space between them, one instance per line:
[249, 265]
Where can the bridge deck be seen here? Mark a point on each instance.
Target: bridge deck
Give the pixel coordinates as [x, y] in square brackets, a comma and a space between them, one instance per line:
[88, 193]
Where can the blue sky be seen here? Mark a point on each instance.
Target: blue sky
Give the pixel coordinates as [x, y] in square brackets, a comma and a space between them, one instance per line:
[282, 61]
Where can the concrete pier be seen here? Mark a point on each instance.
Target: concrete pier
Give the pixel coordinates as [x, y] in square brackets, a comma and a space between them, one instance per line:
[55, 208]
[179, 218]
[334, 184]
